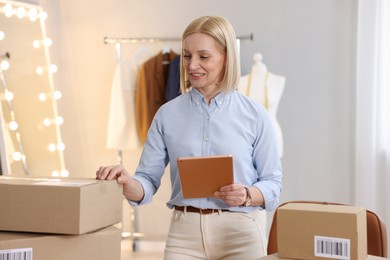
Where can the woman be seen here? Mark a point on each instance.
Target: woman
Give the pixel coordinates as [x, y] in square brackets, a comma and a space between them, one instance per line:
[209, 118]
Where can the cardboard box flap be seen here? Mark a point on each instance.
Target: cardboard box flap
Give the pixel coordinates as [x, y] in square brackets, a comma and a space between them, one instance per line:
[314, 207]
[48, 181]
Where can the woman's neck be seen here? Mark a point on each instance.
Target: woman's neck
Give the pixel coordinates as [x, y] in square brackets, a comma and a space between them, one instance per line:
[208, 93]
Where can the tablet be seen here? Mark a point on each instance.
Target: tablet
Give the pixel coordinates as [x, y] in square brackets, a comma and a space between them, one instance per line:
[201, 176]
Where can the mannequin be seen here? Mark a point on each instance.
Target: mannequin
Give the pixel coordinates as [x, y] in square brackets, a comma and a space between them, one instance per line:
[266, 88]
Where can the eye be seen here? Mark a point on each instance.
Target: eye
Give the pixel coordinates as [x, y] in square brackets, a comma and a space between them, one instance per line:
[186, 56]
[204, 57]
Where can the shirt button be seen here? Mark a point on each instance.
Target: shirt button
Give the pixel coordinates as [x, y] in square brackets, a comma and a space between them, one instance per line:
[206, 139]
[207, 117]
[197, 104]
[220, 102]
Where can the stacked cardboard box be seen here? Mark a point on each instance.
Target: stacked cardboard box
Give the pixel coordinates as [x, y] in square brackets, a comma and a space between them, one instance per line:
[276, 257]
[59, 218]
[321, 231]
[102, 244]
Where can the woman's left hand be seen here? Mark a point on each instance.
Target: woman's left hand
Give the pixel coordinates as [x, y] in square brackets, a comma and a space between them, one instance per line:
[233, 194]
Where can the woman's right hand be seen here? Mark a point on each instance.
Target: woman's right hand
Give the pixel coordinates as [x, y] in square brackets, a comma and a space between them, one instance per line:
[132, 189]
[113, 172]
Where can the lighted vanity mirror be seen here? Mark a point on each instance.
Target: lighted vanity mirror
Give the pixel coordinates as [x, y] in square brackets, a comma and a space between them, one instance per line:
[30, 126]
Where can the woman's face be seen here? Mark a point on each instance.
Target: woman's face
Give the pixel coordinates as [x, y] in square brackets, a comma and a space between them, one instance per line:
[203, 62]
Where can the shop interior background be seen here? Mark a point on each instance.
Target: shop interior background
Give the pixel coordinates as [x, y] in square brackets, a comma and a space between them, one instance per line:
[312, 43]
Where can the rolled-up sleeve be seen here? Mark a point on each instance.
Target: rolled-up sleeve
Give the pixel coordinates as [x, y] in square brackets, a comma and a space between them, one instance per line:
[267, 162]
[153, 162]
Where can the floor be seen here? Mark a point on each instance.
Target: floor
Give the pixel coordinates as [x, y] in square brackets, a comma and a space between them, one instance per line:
[146, 250]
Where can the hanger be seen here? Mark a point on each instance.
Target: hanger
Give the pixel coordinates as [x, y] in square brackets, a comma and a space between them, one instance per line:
[166, 51]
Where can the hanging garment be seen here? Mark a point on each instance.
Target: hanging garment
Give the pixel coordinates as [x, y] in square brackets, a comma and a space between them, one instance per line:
[173, 82]
[121, 132]
[150, 90]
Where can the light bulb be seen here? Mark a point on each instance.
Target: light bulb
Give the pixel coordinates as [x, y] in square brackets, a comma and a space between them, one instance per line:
[48, 42]
[39, 70]
[36, 44]
[52, 147]
[57, 94]
[60, 146]
[59, 120]
[33, 14]
[8, 10]
[42, 97]
[64, 173]
[4, 65]
[43, 15]
[9, 96]
[20, 12]
[47, 121]
[13, 125]
[53, 68]
[55, 174]
[2, 35]
[17, 156]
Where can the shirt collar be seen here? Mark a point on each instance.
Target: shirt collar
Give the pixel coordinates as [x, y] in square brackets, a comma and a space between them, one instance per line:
[197, 97]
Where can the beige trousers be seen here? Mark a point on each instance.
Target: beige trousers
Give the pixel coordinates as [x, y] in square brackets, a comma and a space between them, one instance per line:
[221, 235]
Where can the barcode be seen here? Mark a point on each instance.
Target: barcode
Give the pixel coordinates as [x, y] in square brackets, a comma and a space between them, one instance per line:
[16, 254]
[332, 247]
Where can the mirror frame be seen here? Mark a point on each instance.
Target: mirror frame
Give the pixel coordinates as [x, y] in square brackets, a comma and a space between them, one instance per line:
[37, 137]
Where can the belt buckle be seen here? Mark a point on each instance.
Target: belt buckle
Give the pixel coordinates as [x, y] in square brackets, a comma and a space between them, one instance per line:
[206, 211]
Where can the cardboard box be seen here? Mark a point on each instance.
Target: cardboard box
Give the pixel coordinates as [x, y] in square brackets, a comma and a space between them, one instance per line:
[276, 257]
[99, 245]
[309, 231]
[58, 205]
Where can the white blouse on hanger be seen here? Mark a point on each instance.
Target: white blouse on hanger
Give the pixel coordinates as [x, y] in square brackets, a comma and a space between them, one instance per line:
[121, 132]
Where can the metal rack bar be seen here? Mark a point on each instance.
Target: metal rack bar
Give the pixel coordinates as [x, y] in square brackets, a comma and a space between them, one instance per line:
[110, 40]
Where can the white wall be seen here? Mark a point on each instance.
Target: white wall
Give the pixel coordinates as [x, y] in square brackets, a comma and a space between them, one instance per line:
[310, 42]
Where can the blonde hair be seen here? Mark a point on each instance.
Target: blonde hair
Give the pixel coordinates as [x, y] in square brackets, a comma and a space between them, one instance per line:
[223, 33]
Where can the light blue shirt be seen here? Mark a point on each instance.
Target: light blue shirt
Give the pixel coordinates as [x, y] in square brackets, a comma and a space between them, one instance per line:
[231, 124]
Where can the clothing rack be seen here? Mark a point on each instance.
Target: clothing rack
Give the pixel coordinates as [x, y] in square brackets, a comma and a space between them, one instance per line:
[124, 40]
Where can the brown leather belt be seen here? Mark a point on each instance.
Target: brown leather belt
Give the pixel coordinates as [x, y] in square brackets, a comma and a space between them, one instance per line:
[198, 210]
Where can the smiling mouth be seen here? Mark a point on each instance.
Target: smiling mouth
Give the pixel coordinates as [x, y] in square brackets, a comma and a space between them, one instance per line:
[197, 74]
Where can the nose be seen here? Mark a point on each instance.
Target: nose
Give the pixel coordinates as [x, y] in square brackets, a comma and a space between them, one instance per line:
[194, 64]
